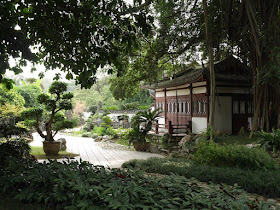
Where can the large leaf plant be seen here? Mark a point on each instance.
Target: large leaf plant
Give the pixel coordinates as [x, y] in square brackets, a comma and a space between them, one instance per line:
[142, 123]
[270, 141]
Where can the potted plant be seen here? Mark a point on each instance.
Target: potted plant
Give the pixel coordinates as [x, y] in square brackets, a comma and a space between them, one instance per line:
[50, 115]
[142, 123]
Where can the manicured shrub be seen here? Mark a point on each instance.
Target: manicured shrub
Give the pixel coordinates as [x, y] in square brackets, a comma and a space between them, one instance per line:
[266, 183]
[241, 156]
[86, 134]
[80, 185]
[102, 131]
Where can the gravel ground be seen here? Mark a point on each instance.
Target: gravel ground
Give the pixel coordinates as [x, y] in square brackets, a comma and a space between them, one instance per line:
[112, 145]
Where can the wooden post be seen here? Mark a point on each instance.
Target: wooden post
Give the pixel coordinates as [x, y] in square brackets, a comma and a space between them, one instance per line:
[170, 128]
[165, 106]
[156, 127]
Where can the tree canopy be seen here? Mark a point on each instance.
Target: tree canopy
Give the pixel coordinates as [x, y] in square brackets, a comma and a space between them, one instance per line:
[81, 36]
[76, 36]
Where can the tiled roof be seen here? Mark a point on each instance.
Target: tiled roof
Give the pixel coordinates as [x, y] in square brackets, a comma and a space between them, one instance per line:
[229, 69]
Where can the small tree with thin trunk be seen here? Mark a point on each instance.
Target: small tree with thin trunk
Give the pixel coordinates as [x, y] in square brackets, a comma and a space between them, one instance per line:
[53, 119]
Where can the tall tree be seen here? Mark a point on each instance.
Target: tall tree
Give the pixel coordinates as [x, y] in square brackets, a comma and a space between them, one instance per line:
[211, 64]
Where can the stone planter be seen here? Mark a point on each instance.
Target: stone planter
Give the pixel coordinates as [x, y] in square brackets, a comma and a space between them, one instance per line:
[51, 147]
[141, 146]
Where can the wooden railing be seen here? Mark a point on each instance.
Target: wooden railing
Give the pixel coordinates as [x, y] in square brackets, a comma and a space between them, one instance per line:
[171, 127]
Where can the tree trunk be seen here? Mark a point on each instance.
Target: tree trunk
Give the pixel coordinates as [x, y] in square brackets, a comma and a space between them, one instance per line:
[39, 130]
[211, 65]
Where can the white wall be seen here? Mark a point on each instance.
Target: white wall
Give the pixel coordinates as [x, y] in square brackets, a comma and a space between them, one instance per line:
[198, 124]
[161, 120]
[223, 114]
[159, 94]
[179, 92]
[199, 90]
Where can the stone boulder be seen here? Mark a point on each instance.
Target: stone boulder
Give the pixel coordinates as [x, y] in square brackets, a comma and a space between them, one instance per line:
[154, 148]
[62, 144]
[199, 139]
[98, 139]
[184, 140]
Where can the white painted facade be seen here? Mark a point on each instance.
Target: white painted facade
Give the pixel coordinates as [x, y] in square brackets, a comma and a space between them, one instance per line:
[161, 120]
[199, 90]
[159, 94]
[181, 92]
[223, 114]
[198, 124]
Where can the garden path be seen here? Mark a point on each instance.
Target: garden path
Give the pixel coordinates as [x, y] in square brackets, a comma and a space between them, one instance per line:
[92, 152]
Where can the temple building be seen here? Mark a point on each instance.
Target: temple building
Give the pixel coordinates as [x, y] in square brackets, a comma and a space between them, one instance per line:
[184, 98]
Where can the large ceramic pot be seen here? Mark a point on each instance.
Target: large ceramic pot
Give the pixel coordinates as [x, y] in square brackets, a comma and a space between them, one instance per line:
[141, 146]
[51, 147]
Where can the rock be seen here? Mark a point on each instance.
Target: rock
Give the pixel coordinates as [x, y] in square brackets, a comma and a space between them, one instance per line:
[98, 139]
[62, 144]
[199, 139]
[94, 135]
[164, 151]
[154, 148]
[105, 137]
[187, 138]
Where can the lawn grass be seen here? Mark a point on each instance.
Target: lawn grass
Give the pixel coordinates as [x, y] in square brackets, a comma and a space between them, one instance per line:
[38, 152]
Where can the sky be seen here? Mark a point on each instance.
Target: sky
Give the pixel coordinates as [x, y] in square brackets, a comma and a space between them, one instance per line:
[27, 71]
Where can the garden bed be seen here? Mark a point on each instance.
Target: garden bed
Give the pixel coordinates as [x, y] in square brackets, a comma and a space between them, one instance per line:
[265, 183]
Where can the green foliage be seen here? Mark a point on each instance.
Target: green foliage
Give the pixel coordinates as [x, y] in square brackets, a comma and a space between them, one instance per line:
[270, 141]
[144, 119]
[9, 121]
[102, 131]
[53, 104]
[233, 156]
[90, 123]
[107, 120]
[133, 135]
[142, 97]
[92, 109]
[30, 92]
[10, 96]
[236, 139]
[12, 148]
[209, 133]
[109, 108]
[73, 185]
[59, 88]
[132, 105]
[33, 113]
[266, 183]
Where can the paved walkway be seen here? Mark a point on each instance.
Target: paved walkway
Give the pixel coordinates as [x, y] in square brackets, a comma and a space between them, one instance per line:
[91, 151]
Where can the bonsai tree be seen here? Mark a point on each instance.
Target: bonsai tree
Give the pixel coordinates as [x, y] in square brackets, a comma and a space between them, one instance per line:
[50, 114]
[142, 123]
